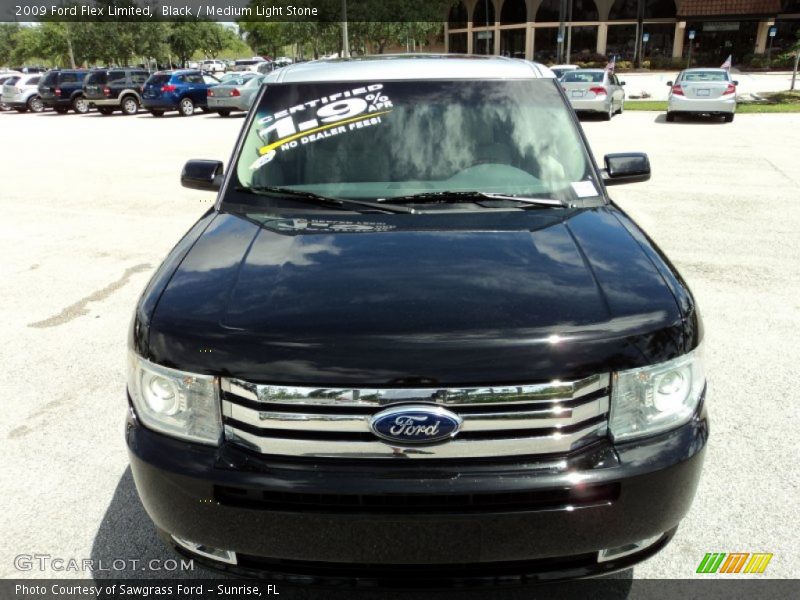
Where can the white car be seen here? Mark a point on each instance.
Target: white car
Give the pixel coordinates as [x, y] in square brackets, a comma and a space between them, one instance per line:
[559, 70]
[213, 66]
[22, 93]
[702, 91]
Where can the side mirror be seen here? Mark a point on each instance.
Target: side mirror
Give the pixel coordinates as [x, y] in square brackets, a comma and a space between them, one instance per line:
[622, 83]
[734, 82]
[669, 83]
[627, 167]
[205, 175]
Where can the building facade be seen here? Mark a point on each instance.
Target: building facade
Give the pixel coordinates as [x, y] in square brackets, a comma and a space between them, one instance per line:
[572, 30]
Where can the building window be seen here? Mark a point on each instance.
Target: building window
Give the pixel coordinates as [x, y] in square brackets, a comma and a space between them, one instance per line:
[584, 42]
[512, 42]
[458, 43]
[716, 40]
[513, 11]
[545, 44]
[457, 19]
[484, 13]
[621, 41]
[549, 11]
[785, 36]
[483, 42]
[790, 6]
[653, 9]
[584, 10]
[660, 42]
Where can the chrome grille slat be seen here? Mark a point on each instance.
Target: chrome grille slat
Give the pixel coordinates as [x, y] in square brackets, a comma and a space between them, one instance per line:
[526, 419]
[547, 419]
[276, 394]
[526, 446]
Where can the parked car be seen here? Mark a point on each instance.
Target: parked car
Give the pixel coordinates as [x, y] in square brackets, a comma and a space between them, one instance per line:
[4, 77]
[63, 90]
[213, 66]
[594, 90]
[236, 94]
[702, 91]
[559, 70]
[248, 64]
[182, 90]
[415, 339]
[210, 80]
[22, 93]
[115, 89]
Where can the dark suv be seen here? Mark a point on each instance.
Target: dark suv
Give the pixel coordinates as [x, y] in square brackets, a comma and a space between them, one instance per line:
[63, 89]
[115, 89]
[182, 90]
[415, 342]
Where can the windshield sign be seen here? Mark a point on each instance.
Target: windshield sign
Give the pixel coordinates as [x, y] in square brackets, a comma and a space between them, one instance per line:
[383, 140]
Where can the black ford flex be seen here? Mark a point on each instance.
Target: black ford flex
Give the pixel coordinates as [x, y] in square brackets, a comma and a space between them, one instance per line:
[414, 342]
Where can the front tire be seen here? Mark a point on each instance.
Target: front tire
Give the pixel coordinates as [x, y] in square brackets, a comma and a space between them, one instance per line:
[186, 107]
[35, 104]
[80, 105]
[729, 118]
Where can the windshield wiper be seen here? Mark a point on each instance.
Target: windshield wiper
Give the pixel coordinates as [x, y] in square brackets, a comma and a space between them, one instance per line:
[340, 203]
[469, 196]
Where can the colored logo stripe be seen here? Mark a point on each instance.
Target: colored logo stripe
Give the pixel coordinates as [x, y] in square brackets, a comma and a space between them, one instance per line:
[734, 562]
[714, 562]
[758, 563]
[711, 562]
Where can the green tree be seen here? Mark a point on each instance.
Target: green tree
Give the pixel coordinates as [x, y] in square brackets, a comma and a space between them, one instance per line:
[185, 38]
[215, 38]
[8, 31]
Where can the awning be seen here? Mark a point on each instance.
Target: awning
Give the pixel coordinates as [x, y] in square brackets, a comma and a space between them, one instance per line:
[728, 8]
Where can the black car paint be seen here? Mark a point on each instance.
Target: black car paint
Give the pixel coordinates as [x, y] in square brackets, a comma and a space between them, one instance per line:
[472, 302]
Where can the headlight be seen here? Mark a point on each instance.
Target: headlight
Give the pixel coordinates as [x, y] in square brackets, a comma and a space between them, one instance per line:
[652, 399]
[184, 405]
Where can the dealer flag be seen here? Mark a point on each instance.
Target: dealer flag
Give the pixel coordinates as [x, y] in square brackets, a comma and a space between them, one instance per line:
[728, 62]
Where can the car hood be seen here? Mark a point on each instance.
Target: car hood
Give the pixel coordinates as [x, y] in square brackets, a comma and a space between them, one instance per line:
[504, 297]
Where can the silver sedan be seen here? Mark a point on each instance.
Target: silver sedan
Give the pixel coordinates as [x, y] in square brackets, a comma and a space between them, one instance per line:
[236, 92]
[702, 91]
[594, 90]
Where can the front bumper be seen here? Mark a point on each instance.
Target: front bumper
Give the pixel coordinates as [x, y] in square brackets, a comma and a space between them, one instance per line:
[721, 105]
[318, 521]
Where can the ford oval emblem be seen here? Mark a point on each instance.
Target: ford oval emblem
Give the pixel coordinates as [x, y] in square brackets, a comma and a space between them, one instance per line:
[415, 424]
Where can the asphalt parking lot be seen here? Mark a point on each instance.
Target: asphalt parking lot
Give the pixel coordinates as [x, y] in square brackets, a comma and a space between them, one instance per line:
[92, 204]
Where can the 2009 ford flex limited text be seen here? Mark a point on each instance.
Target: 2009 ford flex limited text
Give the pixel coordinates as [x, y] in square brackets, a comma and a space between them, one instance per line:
[414, 342]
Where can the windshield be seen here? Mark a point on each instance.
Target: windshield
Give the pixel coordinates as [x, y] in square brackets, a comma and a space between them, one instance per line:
[705, 76]
[236, 78]
[376, 140]
[583, 77]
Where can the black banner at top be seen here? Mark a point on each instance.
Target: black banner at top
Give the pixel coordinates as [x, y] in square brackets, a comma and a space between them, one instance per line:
[225, 10]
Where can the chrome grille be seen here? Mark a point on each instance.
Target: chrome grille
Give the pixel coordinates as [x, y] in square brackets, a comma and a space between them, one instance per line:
[542, 419]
